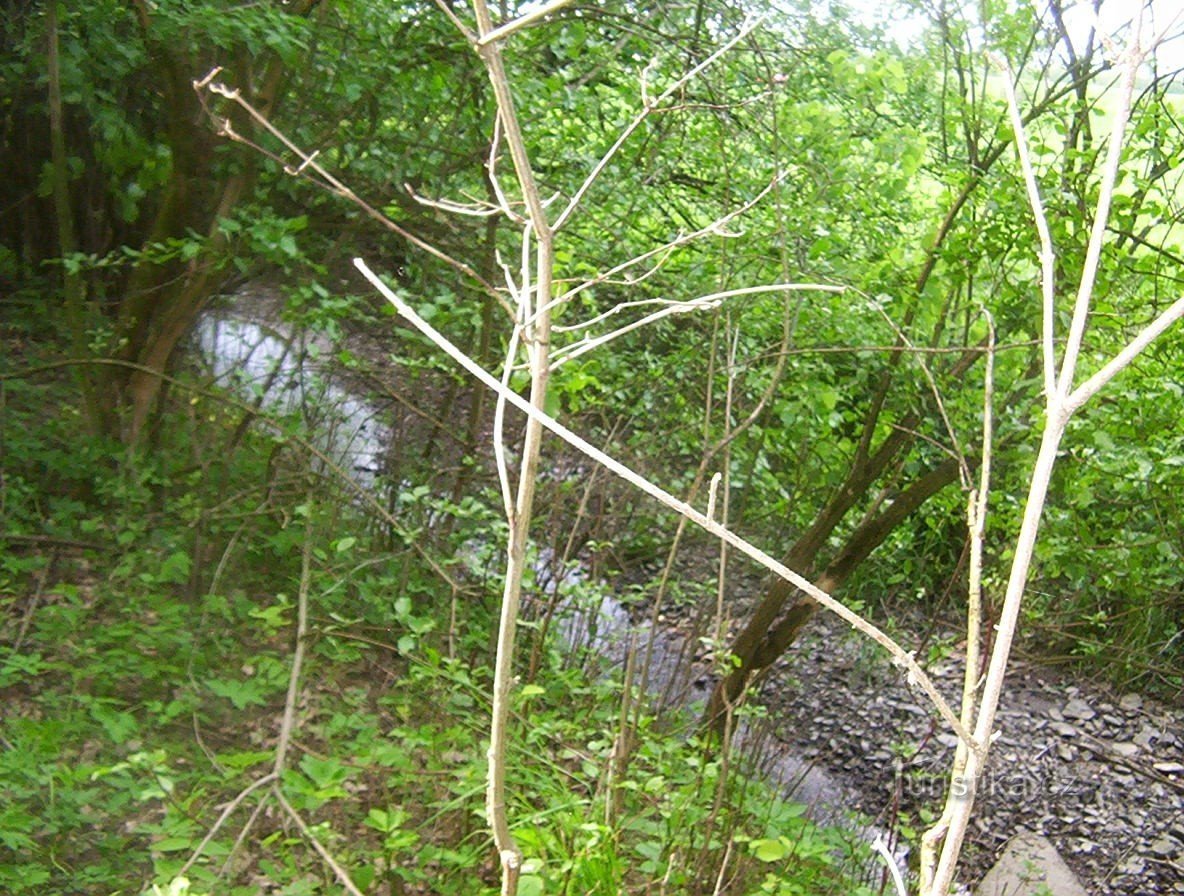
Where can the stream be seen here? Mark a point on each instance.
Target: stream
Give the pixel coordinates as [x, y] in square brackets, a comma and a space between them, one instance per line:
[288, 371]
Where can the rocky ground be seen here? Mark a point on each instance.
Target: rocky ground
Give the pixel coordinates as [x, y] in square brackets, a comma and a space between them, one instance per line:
[1100, 774]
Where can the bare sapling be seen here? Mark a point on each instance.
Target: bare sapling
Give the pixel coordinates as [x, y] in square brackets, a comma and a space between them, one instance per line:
[1062, 399]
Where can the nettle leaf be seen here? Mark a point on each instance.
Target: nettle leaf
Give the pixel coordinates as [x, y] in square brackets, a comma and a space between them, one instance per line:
[326, 774]
[175, 569]
[248, 692]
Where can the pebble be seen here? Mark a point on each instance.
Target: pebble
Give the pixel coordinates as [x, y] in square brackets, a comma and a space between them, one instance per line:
[1164, 846]
[1146, 735]
[1124, 750]
[1078, 709]
[1064, 729]
[1133, 865]
[1131, 702]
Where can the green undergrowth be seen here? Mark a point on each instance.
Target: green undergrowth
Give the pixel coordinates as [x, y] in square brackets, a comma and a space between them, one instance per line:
[150, 610]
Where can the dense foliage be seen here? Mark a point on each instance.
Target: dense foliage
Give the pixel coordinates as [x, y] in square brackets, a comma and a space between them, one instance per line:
[160, 530]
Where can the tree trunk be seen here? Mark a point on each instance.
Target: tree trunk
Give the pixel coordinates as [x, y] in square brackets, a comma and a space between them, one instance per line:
[773, 626]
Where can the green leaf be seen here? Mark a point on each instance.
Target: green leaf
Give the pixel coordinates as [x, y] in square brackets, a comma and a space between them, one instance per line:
[175, 569]
[768, 850]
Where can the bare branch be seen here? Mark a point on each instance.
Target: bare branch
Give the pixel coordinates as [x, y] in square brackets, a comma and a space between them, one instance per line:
[503, 31]
[715, 228]
[955, 449]
[900, 656]
[649, 106]
[308, 162]
[338, 871]
[1085, 289]
[477, 209]
[568, 353]
[621, 307]
[1090, 387]
[465, 30]
[1047, 254]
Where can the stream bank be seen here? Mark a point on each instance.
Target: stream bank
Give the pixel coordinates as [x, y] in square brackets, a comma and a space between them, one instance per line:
[1101, 774]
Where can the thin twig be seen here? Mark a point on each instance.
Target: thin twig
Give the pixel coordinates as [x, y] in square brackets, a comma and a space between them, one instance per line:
[308, 163]
[715, 228]
[227, 811]
[342, 875]
[648, 106]
[1131, 60]
[288, 720]
[573, 351]
[1153, 330]
[955, 449]
[1047, 253]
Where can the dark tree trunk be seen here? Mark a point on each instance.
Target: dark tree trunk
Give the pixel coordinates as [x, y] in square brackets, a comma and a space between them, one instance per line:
[776, 623]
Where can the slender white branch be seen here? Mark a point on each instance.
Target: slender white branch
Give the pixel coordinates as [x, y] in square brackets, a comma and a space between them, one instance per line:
[1090, 387]
[622, 307]
[881, 847]
[494, 182]
[1089, 272]
[1060, 408]
[288, 720]
[460, 26]
[900, 656]
[536, 333]
[568, 353]
[648, 106]
[480, 208]
[499, 427]
[1047, 253]
[308, 162]
[501, 32]
[715, 228]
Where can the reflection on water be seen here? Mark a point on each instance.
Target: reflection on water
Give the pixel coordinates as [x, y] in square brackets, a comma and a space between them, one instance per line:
[290, 374]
